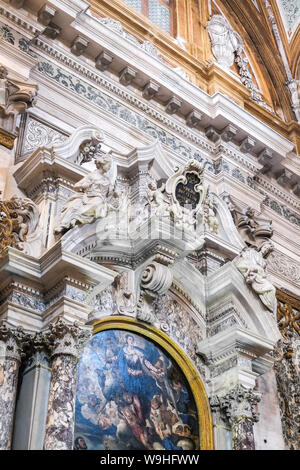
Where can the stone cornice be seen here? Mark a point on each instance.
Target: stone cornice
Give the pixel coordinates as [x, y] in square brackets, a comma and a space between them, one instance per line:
[191, 94]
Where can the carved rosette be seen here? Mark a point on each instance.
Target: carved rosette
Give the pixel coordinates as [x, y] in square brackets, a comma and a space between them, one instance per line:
[239, 406]
[11, 346]
[66, 341]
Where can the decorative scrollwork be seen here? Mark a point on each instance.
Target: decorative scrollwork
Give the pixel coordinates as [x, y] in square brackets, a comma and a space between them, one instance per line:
[6, 228]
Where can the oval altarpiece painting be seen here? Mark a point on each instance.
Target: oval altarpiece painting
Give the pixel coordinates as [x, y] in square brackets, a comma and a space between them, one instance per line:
[131, 395]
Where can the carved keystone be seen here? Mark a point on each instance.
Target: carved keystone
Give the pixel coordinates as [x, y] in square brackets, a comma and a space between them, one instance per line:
[103, 61]
[150, 90]
[193, 118]
[46, 14]
[127, 75]
[173, 105]
[79, 45]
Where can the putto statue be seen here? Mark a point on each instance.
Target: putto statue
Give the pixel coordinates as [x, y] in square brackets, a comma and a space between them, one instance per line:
[224, 40]
[254, 229]
[19, 220]
[95, 196]
[252, 265]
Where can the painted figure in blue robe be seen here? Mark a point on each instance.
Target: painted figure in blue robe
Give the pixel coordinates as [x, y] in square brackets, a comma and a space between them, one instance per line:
[137, 370]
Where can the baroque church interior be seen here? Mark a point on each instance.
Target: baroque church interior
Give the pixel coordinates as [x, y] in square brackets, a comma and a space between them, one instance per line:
[149, 225]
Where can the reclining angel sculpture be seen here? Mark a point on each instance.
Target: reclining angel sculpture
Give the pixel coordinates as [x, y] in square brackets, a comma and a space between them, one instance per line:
[95, 196]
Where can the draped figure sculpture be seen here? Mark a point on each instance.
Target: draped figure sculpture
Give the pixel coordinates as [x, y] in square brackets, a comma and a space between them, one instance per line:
[95, 195]
[252, 266]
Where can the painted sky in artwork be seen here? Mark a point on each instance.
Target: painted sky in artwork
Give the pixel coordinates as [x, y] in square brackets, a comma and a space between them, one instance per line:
[131, 396]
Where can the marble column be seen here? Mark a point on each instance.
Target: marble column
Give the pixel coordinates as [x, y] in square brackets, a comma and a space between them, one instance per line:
[11, 344]
[239, 406]
[31, 408]
[66, 341]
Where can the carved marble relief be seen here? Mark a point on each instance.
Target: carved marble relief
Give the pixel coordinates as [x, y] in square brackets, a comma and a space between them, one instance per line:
[174, 320]
[252, 265]
[95, 196]
[38, 134]
[184, 199]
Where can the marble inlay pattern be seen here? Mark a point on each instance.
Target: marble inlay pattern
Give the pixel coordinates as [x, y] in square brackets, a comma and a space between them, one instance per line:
[284, 266]
[242, 435]
[11, 344]
[177, 323]
[38, 134]
[9, 369]
[290, 11]
[14, 38]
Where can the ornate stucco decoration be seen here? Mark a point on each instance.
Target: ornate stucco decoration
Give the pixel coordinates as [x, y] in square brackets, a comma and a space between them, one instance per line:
[95, 196]
[184, 199]
[252, 265]
[15, 98]
[288, 313]
[117, 27]
[19, 225]
[224, 40]
[287, 367]
[227, 47]
[6, 228]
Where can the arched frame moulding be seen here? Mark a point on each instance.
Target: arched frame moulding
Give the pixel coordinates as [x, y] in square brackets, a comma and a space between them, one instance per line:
[161, 339]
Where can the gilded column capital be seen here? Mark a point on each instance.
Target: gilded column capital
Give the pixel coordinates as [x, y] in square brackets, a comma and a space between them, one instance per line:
[66, 338]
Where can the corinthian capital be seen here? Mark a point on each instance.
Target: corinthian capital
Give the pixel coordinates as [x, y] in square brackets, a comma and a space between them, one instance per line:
[13, 340]
[67, 338]
[240, 403]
